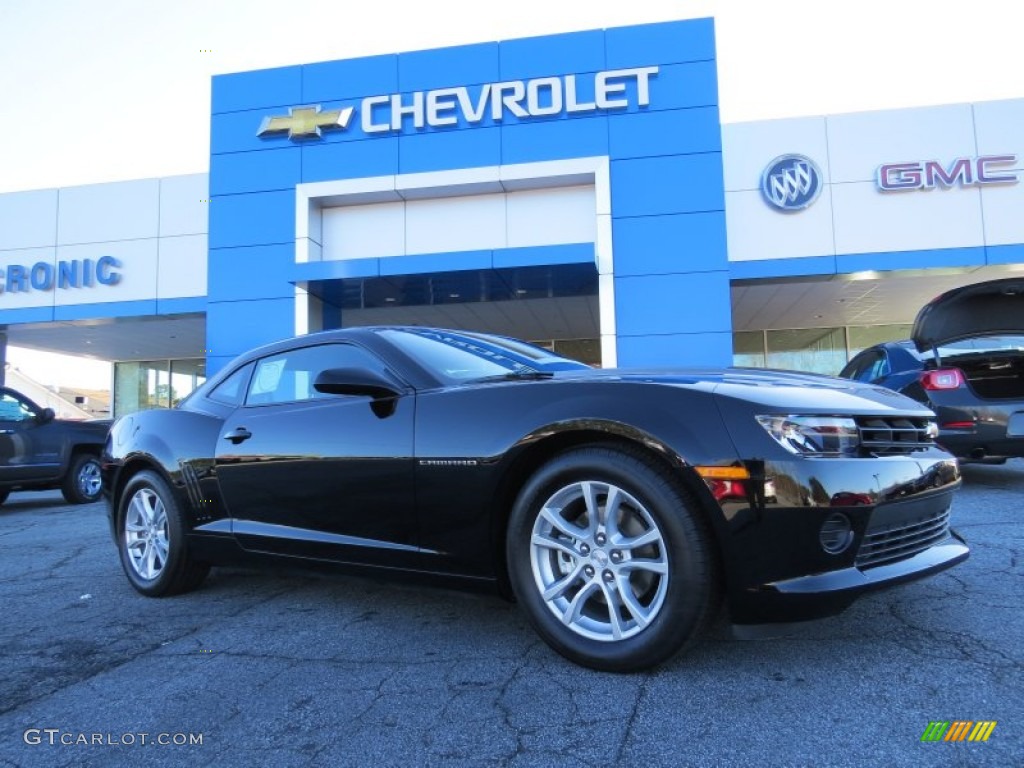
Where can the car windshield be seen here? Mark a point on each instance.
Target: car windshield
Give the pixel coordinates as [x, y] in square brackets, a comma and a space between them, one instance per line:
[461, 356]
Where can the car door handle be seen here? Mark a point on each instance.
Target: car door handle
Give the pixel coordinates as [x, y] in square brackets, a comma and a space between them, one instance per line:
[238, 435]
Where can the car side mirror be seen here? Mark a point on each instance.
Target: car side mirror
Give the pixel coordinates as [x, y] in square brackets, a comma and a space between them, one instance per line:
[360, 382]
[46, 416]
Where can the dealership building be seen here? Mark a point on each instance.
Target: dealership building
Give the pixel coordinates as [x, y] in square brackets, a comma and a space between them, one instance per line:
[577, 190]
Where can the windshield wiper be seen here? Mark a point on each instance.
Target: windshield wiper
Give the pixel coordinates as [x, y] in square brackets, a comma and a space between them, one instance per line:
[516, 376]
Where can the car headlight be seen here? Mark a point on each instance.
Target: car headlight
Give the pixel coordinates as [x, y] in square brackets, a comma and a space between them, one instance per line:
[814, 435]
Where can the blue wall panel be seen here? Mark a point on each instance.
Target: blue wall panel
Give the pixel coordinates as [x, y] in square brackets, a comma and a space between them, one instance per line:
[258, 89]
[447, 67]
[181, 305]
[370, 76]
[553, 55]
[255, 171]
[805, 265]
[677, 349]
[241, 273]
[350, 159]
[697, 302]
[335, 270]
[678, 86]
[1004, 254]
[105, 309]
[454, 149]
[944, 257]
[554, 140]
[233, 327]
[658, 245]
[675, 132]
[27, 315]
[572, 253]
[259, 218]
[435, 262]
[658, 185]
[668, 43]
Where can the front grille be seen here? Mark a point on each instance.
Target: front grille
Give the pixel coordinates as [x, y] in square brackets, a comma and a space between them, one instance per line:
[886, 543]
[889, 436]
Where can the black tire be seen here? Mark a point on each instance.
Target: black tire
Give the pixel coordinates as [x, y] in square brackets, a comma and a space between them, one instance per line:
[656, 615]
[3, 496]
[82, 482]
[149, 520]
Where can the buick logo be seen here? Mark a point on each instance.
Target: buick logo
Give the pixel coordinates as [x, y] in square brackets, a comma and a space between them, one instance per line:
[791, 183]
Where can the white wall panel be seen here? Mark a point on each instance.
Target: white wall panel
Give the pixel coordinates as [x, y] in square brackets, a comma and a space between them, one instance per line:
[867, 220]
[1003, 207]
[363, 231]
[125, 210]
[747, 148]
[181, 269]
[28, 219]
[475, 222]
[25, 257]
[859, 143]
[551, 216]
[138, 272]
[184, 206]
[520, 219]
[758, 231]
[999, 126]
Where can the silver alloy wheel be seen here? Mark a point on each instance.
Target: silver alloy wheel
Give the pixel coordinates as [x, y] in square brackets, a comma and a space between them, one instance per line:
[89, 479]
[145, 534]
[599, 561]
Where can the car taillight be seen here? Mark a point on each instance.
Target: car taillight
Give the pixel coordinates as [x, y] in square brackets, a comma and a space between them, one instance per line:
[943, 378]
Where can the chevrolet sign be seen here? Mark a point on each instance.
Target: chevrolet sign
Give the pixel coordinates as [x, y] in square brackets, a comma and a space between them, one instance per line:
[539, 97]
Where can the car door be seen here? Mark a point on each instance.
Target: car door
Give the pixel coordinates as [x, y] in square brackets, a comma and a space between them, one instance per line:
[30, 448]
[320, 475]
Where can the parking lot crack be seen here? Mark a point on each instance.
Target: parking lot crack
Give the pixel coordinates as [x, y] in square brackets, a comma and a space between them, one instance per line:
[627, 733]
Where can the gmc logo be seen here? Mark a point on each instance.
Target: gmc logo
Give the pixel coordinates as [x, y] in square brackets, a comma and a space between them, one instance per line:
[965, 171]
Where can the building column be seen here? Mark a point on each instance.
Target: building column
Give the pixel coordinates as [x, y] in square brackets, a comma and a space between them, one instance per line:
[3, 359]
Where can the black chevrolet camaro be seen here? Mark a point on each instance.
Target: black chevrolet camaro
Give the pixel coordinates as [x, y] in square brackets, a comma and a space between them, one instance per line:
[618, 507]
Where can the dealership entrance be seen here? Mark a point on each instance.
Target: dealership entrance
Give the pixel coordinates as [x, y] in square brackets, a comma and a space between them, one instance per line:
[555, 306]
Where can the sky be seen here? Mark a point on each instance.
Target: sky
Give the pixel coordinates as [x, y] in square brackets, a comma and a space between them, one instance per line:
[106, 90]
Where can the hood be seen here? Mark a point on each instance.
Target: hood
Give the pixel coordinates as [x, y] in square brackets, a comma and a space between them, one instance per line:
[984, 309]
[778, 390]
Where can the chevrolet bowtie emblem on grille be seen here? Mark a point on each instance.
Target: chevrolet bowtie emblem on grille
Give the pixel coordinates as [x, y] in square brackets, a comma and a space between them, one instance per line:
[305, 122]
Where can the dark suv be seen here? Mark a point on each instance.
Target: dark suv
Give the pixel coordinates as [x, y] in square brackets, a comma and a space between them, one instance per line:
[39, 452]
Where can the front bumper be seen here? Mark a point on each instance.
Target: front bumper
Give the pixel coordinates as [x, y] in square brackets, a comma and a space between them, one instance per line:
[826, 594]
[777, 567]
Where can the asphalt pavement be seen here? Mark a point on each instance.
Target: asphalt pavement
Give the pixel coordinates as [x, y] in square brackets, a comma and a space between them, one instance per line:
[289, 668]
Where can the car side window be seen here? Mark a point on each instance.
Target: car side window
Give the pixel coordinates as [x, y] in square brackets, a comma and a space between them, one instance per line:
[870, 366]
[15, 409]
[232, 389]
[288, 377]
[880, 367]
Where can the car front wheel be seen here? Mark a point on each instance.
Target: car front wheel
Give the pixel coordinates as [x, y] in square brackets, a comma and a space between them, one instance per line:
[610, 559]
[151, 539]
[83, 482]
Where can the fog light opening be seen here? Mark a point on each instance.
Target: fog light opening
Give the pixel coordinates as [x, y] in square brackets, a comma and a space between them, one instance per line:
[836, 533]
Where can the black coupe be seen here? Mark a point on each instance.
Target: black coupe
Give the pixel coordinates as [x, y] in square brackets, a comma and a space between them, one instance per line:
[618, 507]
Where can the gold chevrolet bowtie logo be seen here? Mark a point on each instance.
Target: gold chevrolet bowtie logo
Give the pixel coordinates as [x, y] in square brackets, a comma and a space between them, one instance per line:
[305, 122]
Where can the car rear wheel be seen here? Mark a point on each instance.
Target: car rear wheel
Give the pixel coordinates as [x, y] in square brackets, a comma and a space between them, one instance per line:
[4, 495]
[83, 482]
[610, 559]
[151, 539]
